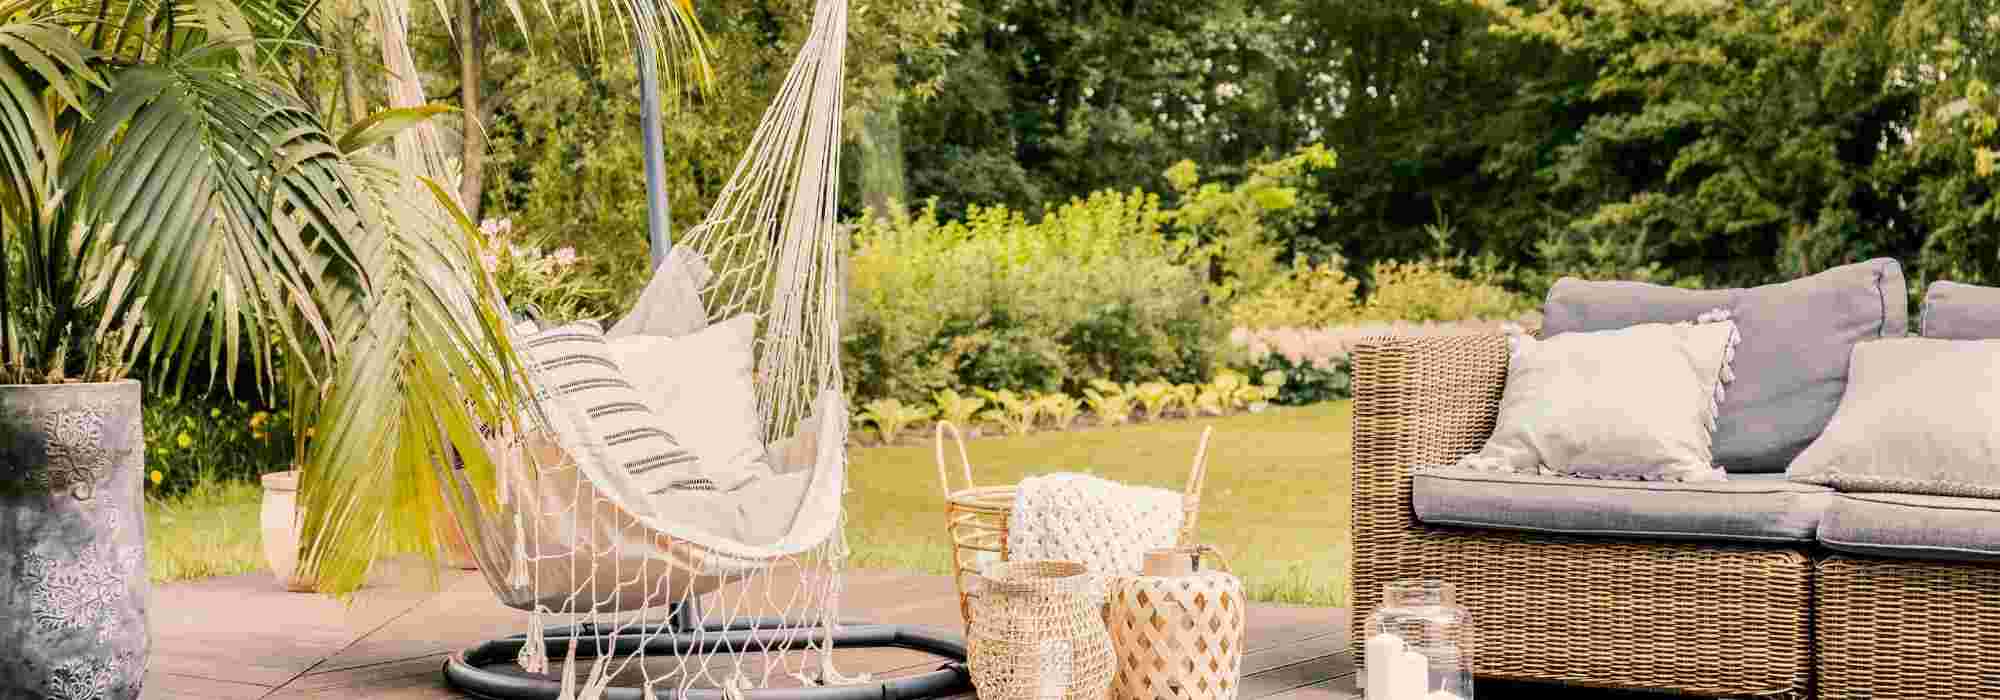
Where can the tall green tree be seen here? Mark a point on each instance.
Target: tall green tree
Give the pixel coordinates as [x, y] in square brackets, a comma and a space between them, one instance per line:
[1044, 100]
[1747, 142]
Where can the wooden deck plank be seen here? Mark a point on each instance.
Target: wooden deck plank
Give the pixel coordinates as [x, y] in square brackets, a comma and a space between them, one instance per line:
[172, 685]
[243, 636]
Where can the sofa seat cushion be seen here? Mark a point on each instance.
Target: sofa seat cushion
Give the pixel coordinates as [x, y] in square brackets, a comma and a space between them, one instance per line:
[1740, 509]
[1910, 526]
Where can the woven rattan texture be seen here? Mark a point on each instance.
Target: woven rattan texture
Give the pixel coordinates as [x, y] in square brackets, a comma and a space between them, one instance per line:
[1039, 634]
[976, 516]
[1716, 620]
[1894, 630]
[1177, 637]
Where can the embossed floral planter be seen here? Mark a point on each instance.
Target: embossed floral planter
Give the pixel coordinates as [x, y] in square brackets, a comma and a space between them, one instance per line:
[72, 542]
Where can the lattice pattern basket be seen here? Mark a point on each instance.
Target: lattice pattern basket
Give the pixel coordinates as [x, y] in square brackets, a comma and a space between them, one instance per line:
[976, 516]
[1178, 632]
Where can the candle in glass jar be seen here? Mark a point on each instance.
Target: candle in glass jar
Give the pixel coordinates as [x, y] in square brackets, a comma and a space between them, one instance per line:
[1412, 671]
[1383, 650]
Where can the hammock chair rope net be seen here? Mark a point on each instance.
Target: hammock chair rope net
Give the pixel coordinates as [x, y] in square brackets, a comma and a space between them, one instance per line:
[608, 570]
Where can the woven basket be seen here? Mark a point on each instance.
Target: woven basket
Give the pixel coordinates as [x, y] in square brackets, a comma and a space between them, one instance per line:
[976, 516]
[1039, 635]
[1178, 631]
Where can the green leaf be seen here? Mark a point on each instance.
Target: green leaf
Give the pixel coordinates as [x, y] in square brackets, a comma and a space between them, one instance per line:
[386, 124]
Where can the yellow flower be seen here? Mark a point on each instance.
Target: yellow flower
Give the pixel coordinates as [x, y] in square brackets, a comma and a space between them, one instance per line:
[257, 419]
[184, 441]
[310, 432]
[259, 434]
[156, 476]
[1985, 160]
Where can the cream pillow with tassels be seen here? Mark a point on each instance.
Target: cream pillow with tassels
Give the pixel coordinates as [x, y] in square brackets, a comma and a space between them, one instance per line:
[1637, 403]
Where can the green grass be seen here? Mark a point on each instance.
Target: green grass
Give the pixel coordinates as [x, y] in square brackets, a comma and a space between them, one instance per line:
[209, 530]
[1276, 503]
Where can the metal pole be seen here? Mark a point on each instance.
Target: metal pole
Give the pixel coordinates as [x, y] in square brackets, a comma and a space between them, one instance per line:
[655, 153]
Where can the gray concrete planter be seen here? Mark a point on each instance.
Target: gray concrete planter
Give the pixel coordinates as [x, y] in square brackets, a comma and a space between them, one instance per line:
[72, 542]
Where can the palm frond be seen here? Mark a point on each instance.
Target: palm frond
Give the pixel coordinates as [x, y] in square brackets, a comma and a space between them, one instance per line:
[229, 198]
[429, 367]
[37, 57]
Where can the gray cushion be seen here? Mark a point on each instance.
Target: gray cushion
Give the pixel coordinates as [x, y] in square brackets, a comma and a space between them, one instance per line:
[1911, 526]
[1791, 366]
[1954, 311]
[1751, 510]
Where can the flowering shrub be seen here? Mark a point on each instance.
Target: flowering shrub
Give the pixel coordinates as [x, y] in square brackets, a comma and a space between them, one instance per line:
[1315, 360]
[190, 441]
[544, 285]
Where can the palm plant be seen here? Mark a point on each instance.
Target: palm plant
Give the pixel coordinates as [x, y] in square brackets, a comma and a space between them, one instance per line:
[160, 197]
[166, 203]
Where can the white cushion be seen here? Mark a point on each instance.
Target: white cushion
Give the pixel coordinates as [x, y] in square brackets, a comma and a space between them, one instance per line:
[595, 408]
[702, 387]
[1632, 403]
[1918, 417]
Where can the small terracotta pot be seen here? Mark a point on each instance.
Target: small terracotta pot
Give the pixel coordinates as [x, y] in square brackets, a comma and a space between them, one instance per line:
[280, 520]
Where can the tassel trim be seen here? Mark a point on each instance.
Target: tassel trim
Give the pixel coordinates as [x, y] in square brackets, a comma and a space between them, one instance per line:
[534, 658]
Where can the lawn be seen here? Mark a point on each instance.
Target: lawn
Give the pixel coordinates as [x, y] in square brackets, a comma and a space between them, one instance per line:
[1276, 503]
[211, 530]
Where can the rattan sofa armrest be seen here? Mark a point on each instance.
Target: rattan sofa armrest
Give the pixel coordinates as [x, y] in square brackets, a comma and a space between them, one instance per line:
[1418, 401]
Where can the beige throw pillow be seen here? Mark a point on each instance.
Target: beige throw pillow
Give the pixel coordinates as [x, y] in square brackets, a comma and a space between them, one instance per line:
[1919, 416]
[702, 387]
[1637, 403]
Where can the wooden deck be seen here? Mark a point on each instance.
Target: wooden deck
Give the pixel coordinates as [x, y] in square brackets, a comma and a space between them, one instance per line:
[245, 637]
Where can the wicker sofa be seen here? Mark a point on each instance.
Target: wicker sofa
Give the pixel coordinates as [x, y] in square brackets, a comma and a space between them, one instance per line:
[1706, 618]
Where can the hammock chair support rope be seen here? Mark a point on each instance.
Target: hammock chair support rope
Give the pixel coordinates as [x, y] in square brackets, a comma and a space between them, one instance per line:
[477, 671]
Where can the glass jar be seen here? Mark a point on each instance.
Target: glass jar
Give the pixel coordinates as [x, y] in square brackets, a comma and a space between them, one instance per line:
[1419, 644]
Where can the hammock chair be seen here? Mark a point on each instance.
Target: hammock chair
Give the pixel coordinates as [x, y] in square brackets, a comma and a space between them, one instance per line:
[609, 567]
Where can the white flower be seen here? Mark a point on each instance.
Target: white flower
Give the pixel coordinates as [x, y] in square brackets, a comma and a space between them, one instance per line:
[565, 256]
[1227, 91]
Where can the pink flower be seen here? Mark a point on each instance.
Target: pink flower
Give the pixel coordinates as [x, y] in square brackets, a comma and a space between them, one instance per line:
[489, 227]
[565, 256]
[489, 261]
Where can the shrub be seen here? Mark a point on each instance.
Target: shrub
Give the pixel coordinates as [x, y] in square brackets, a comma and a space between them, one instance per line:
[1095, 290]
[197, 440]
[1427, 290]
[958, 410]
[1312, 296]
[891, 417]
[1110, 402]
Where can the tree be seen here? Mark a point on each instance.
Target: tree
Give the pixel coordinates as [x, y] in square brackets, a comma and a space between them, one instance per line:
[1754, 141]
[1044, 100]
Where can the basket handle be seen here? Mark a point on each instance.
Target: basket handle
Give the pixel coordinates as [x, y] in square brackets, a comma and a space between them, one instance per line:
[1197, 480]
[1211, 552]
[944, 476]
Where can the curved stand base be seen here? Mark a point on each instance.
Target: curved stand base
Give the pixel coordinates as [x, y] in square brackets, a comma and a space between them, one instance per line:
[467, 671]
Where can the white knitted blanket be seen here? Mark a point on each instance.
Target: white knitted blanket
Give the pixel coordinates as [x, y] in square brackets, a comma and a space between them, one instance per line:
[1105, 525]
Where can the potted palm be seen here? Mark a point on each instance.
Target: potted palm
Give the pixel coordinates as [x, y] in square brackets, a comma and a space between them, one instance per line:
[163, 207]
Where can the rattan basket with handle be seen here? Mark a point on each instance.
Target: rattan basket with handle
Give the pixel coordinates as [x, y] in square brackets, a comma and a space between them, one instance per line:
[976, 516]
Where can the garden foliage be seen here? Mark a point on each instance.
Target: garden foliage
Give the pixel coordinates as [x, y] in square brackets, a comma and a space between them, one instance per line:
[1095, 290]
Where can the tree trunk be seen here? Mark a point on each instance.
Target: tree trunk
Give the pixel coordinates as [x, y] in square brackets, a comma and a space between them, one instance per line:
[471, 67]
[350, 83]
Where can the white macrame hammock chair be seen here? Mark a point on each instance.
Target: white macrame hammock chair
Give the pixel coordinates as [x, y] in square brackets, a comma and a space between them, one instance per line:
[609, 576]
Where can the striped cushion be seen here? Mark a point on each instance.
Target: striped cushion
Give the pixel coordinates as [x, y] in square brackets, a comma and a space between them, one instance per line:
[600, 410]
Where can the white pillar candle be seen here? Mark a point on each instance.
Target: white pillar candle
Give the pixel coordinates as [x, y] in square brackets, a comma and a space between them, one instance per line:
[1384, 652]
[1412, 673]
